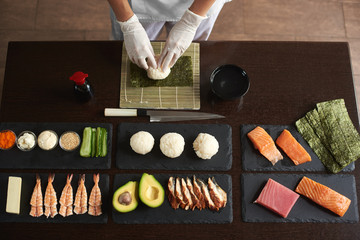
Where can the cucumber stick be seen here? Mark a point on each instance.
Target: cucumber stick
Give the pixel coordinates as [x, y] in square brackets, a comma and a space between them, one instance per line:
[98, 142]
[94, 142]
[104, 142]
[85, 150]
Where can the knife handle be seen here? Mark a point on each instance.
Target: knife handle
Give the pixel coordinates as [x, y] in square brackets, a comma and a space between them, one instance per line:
[117, 112]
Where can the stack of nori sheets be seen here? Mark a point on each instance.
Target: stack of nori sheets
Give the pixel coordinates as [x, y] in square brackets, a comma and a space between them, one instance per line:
[331, 134]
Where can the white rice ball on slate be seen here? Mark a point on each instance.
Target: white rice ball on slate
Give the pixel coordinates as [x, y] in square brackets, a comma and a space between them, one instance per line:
[205, 146]
[142, 142]
[172, 144]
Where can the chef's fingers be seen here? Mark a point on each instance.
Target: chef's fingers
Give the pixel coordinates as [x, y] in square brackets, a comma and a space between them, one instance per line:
[132, 59]
[162, 56]
[141, 62]
[174, 60]
[151, 49]
[165, 63]
[151, 61]
[151, 56]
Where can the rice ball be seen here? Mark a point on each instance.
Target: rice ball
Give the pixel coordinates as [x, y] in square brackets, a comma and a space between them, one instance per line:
[157, 73]
[142, 142]
[172, 144]
[205, 146]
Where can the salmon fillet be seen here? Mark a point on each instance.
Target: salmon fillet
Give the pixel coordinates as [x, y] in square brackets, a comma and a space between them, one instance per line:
[265, 144]
[292, 148]
[324, 196]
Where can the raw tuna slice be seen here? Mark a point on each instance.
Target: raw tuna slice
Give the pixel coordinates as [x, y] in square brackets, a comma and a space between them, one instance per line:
[277, 198]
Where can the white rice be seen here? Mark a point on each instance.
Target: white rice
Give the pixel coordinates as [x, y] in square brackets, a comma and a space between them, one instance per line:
[142, 142]
[205, 146]
[172, 145]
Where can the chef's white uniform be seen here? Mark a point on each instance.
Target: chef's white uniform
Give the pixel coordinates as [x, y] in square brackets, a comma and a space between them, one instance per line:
[155, 14]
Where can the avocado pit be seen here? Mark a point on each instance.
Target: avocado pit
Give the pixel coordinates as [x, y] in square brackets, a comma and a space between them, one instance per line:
[125, 198]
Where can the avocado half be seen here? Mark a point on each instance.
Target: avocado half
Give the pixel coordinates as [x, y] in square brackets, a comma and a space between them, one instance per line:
[151, 192]
[125, 198]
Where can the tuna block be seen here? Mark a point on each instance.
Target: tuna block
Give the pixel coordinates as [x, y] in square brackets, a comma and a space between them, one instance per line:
[277, 198]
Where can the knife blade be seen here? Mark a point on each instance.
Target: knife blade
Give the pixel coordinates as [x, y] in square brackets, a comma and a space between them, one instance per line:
[160, 115]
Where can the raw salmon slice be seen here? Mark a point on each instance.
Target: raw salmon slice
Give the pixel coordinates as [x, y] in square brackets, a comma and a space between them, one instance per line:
[265, 144]
[292, 148]
[323, 196]
[277, 198]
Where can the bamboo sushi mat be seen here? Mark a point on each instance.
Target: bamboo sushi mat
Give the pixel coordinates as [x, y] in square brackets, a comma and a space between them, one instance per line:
[161, 97]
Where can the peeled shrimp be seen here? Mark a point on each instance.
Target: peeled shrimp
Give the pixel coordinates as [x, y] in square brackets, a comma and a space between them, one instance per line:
[81, 197]
[66, 199]
[50, 198]
[36, 201]
[95, 198]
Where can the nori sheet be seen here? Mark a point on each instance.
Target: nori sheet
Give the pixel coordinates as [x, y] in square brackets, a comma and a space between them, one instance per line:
[343, 138]
[331, 134]
[181, 75]
[314, 120]
[308, 133]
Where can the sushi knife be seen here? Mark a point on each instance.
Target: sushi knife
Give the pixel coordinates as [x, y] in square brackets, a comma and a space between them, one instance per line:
[159, 115]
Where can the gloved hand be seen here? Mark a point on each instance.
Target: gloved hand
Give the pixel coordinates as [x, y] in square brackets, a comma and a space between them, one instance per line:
[137, 43]
[179, 39]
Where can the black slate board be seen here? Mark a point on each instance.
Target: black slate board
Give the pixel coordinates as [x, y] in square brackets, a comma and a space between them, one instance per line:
[28, 184]
[126, 158]
[304, 209]
[252, 160]
[56, 158]
[165, 214]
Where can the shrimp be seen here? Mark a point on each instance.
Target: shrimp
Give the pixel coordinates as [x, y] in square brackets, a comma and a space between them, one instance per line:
[36, 201]
[81, 197]
[66, 199]
[95, 198]
[50, 198]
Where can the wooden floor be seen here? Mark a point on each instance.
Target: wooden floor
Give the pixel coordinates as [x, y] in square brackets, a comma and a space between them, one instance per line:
[260, 20]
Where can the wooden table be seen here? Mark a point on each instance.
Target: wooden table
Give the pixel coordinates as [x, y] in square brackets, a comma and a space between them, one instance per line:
[287, 80]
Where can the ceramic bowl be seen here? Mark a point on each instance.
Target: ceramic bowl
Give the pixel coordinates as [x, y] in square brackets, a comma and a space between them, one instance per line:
[41, 142]
[19, 139]
[62, 144]
[229, 82]
[7, 130]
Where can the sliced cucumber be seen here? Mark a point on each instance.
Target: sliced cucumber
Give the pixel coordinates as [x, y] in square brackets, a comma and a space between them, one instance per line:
[103, 152]
[85, 150]
[93, 142]
[98, 142]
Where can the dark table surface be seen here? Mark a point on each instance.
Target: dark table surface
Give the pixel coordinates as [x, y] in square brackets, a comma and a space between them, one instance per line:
[287, 80]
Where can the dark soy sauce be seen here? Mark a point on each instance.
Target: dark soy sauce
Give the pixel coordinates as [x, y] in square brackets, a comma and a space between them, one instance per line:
[229, 82]
[82, 87]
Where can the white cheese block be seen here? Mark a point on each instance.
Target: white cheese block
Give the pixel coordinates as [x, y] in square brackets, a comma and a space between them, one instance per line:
[13, 195]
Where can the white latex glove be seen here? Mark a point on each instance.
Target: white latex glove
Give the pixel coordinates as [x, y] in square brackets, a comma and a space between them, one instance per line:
[137, 43]
[179, 39]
